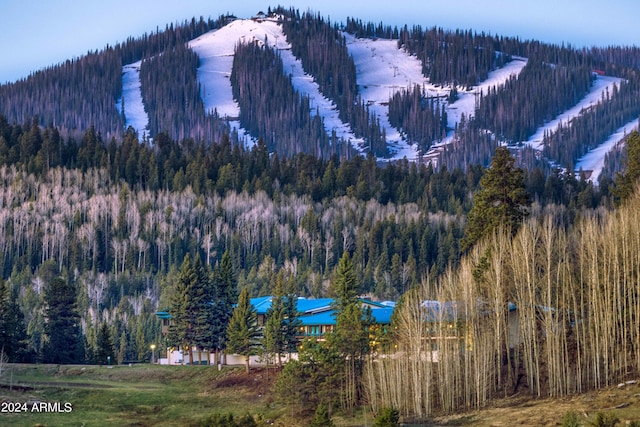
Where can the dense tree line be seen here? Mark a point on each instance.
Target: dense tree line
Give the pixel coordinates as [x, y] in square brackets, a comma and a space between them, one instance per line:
[152, 44]
[323, 51]
[454, 58]
[615, 60]
[422, 120]
[567, 143]
[270, 107]
[82, 92]
[102, 228]
[506, 116]
[115, 222]
[369, 29]
[171, 95]
[223, 167]
[539, 93]
[74, 95]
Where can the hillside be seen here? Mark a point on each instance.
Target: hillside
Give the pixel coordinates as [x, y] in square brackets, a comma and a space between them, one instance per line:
[452, 71]
[285, 154]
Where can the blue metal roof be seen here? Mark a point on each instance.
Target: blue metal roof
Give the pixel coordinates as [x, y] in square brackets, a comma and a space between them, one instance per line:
[312, 305]
[263, 304]
[323, 318]
[436, 311]
[381, 316]
[313, 311]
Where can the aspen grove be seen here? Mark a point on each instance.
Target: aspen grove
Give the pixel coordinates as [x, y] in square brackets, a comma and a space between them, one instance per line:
[554, 311]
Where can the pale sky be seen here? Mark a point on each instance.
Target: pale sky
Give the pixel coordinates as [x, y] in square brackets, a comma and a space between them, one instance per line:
[35, 34]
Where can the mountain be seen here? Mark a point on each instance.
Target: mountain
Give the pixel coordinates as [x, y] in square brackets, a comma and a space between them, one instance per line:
[341, 89]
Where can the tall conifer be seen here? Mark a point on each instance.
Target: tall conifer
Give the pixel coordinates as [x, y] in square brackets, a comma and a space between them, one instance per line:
[501, 201]
[243, 332]
[62, 327]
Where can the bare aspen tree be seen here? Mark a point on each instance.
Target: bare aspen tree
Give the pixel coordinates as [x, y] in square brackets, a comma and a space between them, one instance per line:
[525, 284]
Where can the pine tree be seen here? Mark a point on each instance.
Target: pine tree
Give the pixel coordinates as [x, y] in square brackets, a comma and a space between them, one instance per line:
[243, 332]
[274, 331]
[350, 337]
[190, 305]
[292, 322]
[224, 290]
[12, 329]
[104, 346]
[203, 306]
[345, 285]
[501, 202]
[62, 327]
[321, 417]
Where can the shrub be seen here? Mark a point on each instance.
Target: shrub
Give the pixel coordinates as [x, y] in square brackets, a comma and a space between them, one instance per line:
[322, 418]
[604, 420]
[570, 419]
[388, 417]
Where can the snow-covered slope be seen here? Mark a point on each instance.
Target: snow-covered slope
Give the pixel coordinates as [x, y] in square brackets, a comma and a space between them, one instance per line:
[381, 69]
[215, 50]
[135, 115]
[593, 162]
[599, 87]
[467, 99]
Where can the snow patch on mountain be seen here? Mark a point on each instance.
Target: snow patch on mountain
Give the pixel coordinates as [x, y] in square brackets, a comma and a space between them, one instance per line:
[382, 69]
[134, 112]
[593, 161]
[216, 50]
[466, 103]
[601, 85]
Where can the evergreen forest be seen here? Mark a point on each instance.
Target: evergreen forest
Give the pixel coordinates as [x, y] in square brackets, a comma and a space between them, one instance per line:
[101, 227]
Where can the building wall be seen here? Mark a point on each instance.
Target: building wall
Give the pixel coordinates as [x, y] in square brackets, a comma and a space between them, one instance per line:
[176, 357]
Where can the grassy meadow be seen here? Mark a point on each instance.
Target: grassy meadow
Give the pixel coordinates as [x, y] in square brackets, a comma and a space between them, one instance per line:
[138, 395]
[153, 395]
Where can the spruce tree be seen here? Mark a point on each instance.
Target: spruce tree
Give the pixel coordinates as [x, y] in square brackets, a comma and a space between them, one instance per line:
[274, 331]
[204, 309]
[292, 322]
[190, 303]
[104, 346]
[225, 296]
[501, 202]
[12, 329]
[321, 417]
[350, 337]
[62, 327]
[345, 285]
[243, 332]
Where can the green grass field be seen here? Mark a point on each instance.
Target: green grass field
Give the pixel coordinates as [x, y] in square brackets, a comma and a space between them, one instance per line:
[153, 395]
[138, 395]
